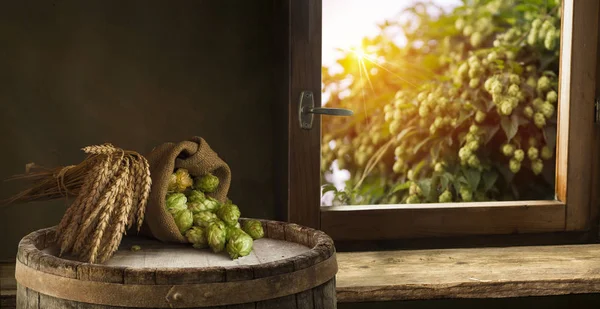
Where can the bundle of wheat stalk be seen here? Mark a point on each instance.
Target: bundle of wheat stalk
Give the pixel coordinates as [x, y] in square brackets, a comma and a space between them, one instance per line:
[111, 188]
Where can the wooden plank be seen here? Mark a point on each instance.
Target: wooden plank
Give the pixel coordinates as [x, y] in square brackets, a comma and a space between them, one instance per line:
[21, 297]
[33, 299]
[388, 222]
[468, 273]
[296, 234]
[49, 302]
[139, 276]
[281, 106]
[304, 300]
[102, 273]
[56, 266]
[305, 145]
[285, 302]
[276, 230]
[576, 122]
[324, 296]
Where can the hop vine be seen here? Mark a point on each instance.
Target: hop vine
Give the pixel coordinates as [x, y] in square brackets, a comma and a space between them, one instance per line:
[465, 111]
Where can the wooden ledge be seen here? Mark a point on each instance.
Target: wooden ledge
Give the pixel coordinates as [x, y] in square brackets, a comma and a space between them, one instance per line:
[468, 273]
[451, 273]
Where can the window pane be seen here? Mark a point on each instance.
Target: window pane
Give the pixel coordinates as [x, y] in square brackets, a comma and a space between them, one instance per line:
[454, 101]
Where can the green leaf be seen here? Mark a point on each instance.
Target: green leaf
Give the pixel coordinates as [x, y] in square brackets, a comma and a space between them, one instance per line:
[490, 132]
[464, 115]
[510, 125]
[400, 187]
[473, 177]
[425, 186]
[418, 168]
[489, 180]
[328, 187]
[435, 150]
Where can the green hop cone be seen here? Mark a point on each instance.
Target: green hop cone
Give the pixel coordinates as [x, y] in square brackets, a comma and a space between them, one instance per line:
[547, 153]
[514, 165]
[474, 82]
[398, 165]
[547, 110]
[480, 116]
[537, 166]
[183, 180]
[413, 199]
[207, 183]
[175, 202]
[184, 219]
[506, 108]
[513, 90]
[539, 119]
[172, 186]
[543, 83]
[528, 112]
[550, 40]
[508, 150]
[229, 213]
[552, 97]
[204, 218]
[466, 194]
[216, 235]
[532, 153]
[496, 87]
[195, 200]
[445, 197]
[254, 229]
[519, 155]
[474, 162]
[197, 236]
[208, 204]
[239, 244]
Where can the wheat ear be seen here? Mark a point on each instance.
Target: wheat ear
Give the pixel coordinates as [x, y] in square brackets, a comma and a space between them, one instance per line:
[107, 199]
[119, 219]
[112, 209]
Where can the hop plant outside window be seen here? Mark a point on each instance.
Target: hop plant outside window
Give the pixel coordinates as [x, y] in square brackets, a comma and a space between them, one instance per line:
[464, 111]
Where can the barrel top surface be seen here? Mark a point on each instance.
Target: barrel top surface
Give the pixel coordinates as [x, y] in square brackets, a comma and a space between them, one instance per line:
[290, 259]
[155, 254]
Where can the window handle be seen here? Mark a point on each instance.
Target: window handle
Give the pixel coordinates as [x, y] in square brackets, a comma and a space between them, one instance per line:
[307, 110]
[329, 111]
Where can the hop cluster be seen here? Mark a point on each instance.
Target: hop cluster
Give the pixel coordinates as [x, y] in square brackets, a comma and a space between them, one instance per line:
[207, 223]
[489, 105]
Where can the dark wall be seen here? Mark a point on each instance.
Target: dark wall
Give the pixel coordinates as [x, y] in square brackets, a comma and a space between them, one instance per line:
[136, 74]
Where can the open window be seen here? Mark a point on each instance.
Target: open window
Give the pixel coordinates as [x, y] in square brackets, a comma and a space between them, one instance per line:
[393, 117]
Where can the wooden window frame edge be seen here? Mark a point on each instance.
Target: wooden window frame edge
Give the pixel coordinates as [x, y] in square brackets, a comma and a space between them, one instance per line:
[571, 212]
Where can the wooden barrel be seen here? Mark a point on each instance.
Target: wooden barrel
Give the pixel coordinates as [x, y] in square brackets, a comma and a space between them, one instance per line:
[292, 267]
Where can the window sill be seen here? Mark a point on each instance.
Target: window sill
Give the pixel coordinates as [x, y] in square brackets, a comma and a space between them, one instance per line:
[468, 273]
[450, 273]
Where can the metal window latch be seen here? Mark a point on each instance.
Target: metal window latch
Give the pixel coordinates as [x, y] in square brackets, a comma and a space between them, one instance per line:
[307, 110]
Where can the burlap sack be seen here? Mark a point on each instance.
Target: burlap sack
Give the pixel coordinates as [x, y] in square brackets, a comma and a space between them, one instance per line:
[198, 158]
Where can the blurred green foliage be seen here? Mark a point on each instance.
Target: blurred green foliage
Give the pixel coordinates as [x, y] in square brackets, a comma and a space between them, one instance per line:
[465, 111]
